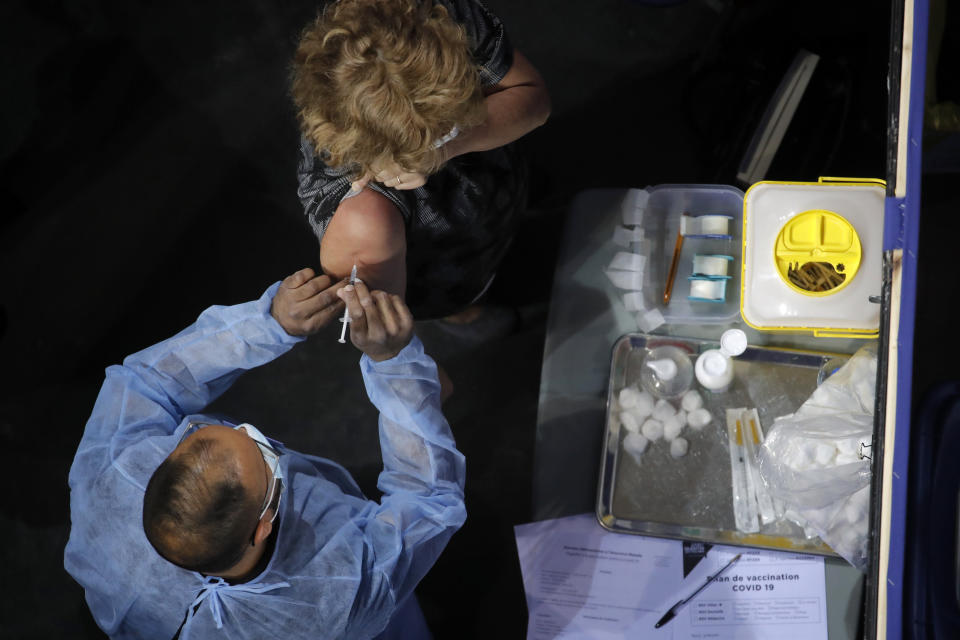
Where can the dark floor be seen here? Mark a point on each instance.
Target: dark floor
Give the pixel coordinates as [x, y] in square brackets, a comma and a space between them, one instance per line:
[147, 157]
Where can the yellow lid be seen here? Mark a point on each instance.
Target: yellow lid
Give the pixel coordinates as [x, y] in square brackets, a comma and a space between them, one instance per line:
[817, 253]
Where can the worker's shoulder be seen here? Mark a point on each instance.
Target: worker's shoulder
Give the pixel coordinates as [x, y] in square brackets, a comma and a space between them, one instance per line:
[368, 220]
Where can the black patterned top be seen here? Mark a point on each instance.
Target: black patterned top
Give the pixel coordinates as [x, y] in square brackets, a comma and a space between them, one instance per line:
[460, 223]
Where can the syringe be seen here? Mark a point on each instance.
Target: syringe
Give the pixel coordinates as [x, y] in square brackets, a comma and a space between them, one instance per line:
[346, 312]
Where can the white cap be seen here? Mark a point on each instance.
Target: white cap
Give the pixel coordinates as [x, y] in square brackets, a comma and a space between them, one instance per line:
[733, 342]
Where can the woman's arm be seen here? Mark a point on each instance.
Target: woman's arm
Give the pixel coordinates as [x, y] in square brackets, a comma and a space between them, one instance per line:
[367, 230]
[516, 105]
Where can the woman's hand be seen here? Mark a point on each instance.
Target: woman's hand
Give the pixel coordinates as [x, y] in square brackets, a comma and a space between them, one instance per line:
[391, 175]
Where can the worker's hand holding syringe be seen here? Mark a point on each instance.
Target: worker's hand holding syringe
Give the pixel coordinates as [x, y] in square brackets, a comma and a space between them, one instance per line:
[381, 325]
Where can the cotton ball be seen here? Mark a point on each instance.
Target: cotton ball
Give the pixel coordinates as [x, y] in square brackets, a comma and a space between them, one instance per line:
[795, 457]
[635, 444]
[809, 450]
[678, 448]
[691, 400]
[663, 410]
[629, 422]
[672, 428]
[825, 454]
[644, 405]
[628, 397]
[853, 510]
[861, 497]
[857, 505]
[682, 417]
[652, 429]
[849, 538]
[699, 418]
[848, 446]
[846, 458]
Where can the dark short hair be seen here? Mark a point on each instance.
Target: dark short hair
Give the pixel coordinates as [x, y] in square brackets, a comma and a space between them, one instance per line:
[196, 512]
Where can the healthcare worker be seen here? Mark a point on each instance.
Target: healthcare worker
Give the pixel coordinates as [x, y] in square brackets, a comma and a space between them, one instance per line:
[183, 526]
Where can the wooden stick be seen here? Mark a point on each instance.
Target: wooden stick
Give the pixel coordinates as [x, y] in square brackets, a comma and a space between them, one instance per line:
[671, 276]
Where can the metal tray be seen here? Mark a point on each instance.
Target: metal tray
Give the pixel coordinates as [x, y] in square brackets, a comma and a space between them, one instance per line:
[690, 497]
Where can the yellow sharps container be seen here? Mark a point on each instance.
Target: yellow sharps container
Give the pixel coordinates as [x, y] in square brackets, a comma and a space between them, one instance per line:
[812, 256]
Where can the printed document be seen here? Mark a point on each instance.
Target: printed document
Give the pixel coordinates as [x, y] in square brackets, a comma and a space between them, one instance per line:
[584, 582]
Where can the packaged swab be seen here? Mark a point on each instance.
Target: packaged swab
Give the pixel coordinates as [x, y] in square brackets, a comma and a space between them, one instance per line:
[752, 440]
[744, 503]
[633, 301]
[649, 320]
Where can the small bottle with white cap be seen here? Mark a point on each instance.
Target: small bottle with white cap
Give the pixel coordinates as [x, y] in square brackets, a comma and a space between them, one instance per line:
[714, 368]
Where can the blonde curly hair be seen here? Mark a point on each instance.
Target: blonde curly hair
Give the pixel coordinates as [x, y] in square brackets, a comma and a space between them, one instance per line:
[381, 80]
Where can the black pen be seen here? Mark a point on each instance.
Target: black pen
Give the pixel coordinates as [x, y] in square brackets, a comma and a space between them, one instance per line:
[669, 615]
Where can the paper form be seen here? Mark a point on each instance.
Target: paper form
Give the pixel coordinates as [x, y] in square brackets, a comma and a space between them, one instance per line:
[584, 582]
[766, 594]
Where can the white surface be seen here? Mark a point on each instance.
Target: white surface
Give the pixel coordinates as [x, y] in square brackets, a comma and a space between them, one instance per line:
[583, 582]
[767, 300]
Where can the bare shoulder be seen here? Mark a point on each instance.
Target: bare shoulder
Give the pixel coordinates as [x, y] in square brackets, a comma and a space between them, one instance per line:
[366, 229]
[368, 212]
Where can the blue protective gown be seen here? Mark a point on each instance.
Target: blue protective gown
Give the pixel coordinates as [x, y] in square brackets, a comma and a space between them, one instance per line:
[342, 564]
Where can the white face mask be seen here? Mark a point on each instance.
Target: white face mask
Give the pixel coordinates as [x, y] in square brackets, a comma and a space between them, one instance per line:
[270, 454]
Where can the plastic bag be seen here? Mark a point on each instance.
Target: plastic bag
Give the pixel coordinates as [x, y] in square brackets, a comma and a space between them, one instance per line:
[815, 462]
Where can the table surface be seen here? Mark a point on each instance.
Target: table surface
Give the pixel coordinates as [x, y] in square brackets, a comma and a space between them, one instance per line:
[586, 319]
